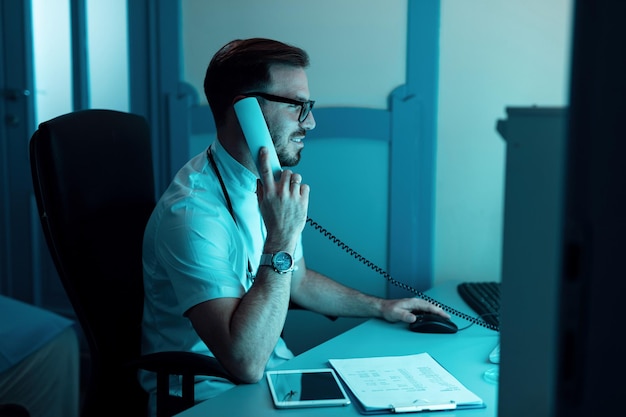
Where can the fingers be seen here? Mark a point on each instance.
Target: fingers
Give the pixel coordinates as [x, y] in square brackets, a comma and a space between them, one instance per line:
[295, 181]
[292, 180]
[265, 169]
[283, 203]
[425, 306]
[406, 309]
[288, 187]
[296, 186]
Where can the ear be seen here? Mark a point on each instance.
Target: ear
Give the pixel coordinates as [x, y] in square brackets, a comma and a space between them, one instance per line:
[237, 98]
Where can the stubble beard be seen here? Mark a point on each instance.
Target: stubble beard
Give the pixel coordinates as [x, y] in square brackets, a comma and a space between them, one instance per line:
[285, 157]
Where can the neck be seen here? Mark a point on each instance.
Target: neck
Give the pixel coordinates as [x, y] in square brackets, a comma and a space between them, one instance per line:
[237, 148]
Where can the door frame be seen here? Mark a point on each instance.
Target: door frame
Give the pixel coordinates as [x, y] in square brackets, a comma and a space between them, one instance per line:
[16, 126]
[26, 270]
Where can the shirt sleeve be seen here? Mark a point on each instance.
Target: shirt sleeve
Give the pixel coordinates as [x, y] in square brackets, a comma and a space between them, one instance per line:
[201, 255]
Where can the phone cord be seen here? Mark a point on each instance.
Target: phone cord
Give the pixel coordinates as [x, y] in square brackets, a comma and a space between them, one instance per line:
[395, 282]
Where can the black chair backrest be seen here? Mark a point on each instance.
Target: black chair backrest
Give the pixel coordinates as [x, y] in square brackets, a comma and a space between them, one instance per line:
[94, 185]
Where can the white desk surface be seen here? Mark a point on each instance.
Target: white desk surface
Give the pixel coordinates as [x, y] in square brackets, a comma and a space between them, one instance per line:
[464, 354]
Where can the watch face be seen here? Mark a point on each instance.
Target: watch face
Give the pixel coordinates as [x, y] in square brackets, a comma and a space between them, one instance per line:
[282, 261]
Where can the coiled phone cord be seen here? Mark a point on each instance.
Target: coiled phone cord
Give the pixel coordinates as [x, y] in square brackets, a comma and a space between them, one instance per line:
[395, 282]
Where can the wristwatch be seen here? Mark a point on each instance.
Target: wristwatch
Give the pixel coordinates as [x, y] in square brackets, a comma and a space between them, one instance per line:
[282, 262]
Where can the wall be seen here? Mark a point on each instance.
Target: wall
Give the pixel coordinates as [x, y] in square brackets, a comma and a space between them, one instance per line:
[358, 52]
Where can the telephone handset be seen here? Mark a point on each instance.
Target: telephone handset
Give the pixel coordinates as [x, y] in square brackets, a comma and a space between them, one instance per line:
[255, 130]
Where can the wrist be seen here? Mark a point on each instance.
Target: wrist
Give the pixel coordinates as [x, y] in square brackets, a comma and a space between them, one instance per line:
[281, 261]
[273, 245]
[380, 307]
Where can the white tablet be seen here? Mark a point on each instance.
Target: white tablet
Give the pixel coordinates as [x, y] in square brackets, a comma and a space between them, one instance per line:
[306, 388]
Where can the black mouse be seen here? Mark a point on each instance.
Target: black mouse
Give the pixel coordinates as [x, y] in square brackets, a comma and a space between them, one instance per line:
[432, 323]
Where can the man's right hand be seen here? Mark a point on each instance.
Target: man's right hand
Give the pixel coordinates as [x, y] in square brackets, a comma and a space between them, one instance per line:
[283, 204]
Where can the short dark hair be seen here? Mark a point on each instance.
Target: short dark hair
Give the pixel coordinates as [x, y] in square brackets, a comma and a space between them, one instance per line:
[242, 65]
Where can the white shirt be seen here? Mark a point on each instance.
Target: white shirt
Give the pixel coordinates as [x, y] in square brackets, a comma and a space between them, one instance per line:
[193, 251]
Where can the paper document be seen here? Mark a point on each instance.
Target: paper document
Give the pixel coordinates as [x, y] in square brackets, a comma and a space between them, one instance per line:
[404, 384]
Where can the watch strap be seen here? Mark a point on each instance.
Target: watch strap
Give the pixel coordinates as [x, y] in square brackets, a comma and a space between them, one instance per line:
[269, 259]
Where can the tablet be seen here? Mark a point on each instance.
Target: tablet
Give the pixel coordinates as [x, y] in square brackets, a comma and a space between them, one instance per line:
[299, 388]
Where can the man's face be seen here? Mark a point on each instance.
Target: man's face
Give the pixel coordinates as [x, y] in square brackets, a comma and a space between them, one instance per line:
[282, 118]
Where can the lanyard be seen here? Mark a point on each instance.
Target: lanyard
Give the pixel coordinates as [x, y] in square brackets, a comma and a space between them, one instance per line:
[209, 155]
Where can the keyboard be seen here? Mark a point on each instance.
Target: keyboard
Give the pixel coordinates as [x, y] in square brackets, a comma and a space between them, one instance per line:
[483, 298]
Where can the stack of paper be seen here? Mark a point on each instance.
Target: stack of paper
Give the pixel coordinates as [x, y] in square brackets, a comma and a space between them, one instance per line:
[404, 384]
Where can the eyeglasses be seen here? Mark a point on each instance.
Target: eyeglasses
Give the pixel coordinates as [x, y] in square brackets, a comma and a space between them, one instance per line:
[305, 106]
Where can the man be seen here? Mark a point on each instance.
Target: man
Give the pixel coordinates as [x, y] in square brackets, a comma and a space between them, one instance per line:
[210, 282]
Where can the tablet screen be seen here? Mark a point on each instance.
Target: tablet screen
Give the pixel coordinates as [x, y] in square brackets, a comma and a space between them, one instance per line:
[306, 388]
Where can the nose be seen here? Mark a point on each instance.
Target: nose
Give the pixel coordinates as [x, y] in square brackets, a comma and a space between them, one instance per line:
[309, 122]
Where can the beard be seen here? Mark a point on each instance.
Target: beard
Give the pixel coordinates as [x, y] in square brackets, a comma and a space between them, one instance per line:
[288, 160]
[286, 157]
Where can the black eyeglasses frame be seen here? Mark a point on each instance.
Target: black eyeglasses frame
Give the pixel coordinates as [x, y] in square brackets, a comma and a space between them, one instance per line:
[305, 106]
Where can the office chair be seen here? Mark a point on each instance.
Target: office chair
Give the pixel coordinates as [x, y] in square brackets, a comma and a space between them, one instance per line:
[13, 410]
[94, 185]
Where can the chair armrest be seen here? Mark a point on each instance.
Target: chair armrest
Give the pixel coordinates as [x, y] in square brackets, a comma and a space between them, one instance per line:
[181, 363]
[187, 365]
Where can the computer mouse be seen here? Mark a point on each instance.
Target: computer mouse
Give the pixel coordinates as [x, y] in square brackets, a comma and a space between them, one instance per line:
[432, 323]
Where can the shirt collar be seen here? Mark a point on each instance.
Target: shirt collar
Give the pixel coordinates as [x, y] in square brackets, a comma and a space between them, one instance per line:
[231, 170]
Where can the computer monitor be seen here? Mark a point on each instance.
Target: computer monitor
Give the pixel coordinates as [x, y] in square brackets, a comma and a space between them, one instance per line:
[564, 274]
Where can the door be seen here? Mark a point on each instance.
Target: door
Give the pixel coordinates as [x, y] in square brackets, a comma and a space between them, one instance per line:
[45, 72]
[57, 56]
[16, 125]
[27, 270]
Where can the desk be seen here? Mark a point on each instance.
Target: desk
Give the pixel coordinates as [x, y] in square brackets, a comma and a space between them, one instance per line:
[464, 354]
